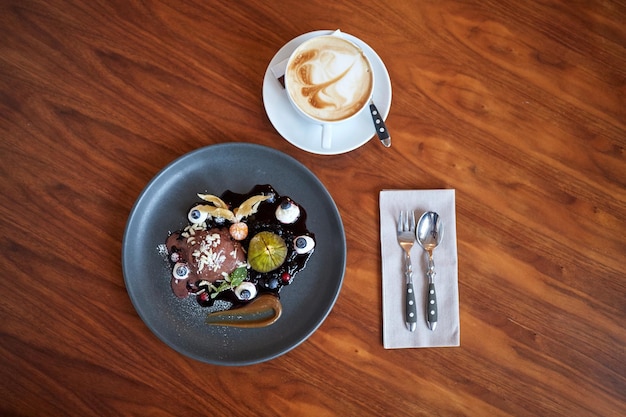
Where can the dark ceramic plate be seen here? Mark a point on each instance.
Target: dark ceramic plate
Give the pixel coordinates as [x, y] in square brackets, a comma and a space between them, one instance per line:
[162, 208]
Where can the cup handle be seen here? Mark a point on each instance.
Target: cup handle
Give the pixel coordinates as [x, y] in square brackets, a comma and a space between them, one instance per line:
[327, 136]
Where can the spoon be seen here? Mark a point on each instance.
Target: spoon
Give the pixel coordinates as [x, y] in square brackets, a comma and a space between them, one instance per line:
[429, 233]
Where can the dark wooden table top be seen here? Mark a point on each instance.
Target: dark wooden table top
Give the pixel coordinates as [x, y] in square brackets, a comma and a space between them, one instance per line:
[518, 106]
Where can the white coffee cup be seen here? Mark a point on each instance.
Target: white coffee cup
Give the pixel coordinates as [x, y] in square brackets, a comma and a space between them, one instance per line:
[329, 80]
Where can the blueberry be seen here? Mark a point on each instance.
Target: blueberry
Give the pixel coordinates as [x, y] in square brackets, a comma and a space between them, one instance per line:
[181, 271]
[272, 284]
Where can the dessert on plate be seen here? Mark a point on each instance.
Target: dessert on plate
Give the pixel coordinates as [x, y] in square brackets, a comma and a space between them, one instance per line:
[237, 252]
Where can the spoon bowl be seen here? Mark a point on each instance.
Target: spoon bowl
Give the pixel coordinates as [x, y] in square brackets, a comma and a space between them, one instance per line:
[429, 231]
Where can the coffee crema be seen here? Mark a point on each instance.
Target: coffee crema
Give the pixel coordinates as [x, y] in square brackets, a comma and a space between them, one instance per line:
[329, 78]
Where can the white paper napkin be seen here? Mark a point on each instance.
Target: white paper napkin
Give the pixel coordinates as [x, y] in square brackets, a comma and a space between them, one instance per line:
[395, 332]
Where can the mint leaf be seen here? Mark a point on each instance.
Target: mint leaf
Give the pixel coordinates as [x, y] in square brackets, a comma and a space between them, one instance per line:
[236, 277]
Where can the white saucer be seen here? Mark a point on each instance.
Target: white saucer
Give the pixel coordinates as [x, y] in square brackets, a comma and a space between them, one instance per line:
[299, 132]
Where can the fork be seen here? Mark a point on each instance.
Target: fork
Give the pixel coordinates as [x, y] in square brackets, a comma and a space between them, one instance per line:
[406, 239]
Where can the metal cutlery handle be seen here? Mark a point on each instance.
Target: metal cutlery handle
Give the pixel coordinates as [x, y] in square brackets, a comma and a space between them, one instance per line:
[379, 124]
[431, 300]
[431, 307]
[411, 311]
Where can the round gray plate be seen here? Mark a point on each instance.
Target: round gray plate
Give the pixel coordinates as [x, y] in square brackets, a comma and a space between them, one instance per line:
[162, 208]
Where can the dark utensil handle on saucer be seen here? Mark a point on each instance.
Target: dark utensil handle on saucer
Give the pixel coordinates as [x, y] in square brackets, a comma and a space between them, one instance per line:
[379, 125]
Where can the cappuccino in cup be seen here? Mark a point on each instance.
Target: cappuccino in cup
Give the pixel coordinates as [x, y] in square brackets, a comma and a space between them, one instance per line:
[329, 79]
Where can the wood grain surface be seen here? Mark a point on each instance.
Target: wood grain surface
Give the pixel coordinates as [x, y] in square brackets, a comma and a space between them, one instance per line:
[518, 105]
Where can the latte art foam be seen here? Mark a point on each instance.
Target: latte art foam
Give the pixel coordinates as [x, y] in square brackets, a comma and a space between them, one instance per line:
[329, 78]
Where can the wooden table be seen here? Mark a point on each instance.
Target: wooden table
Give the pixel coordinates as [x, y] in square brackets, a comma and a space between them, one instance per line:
[517, 105]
